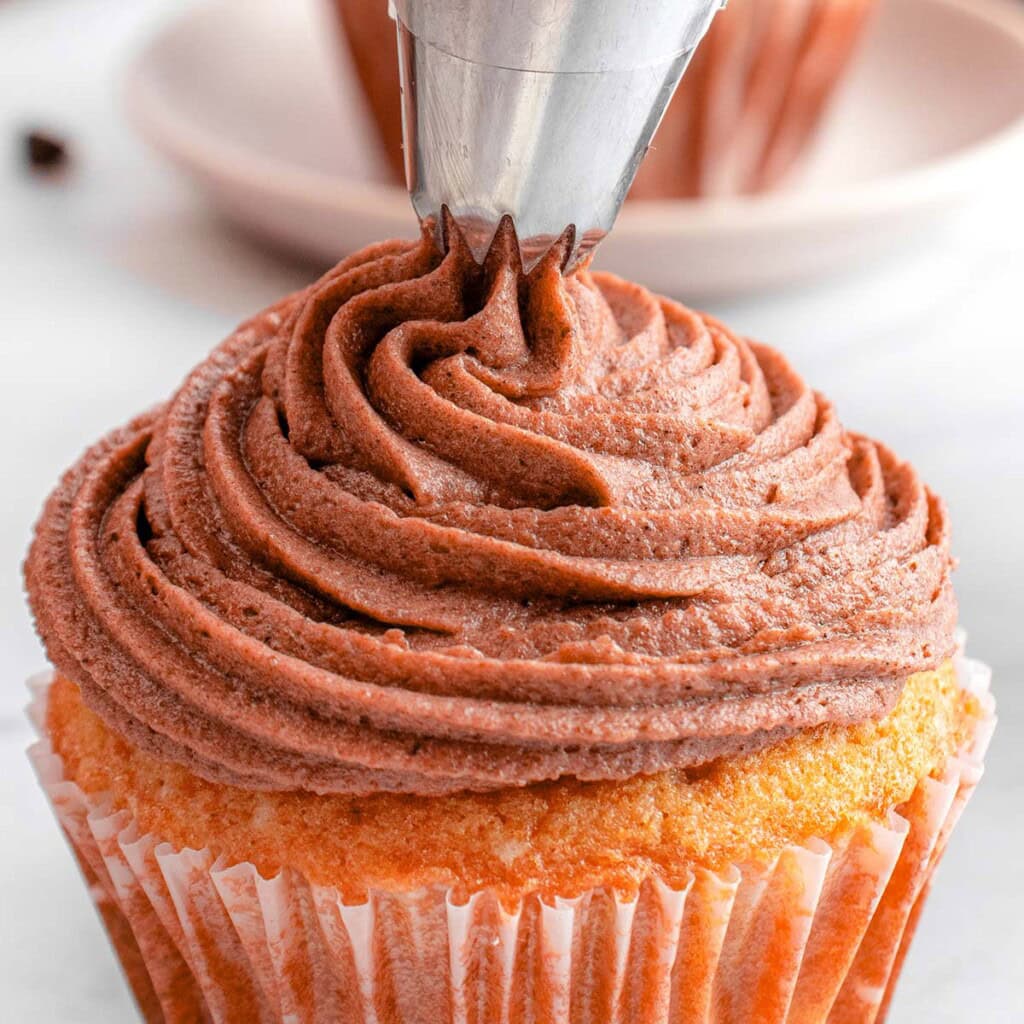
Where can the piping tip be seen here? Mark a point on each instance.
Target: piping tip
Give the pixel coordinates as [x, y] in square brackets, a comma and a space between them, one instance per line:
[501, 242]
[535, 110]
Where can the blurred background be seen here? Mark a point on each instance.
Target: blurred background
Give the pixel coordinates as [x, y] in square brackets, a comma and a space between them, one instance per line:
[840, 178]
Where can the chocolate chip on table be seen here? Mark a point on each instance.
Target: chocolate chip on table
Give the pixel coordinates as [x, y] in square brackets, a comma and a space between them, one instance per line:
[44, 151]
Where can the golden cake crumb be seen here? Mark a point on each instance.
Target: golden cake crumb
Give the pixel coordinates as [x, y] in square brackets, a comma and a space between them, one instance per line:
[561, 837]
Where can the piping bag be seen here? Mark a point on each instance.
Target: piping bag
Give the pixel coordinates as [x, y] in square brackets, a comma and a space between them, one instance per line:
[535, 110]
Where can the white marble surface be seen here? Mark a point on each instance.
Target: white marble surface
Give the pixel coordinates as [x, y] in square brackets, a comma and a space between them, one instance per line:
[116, 279]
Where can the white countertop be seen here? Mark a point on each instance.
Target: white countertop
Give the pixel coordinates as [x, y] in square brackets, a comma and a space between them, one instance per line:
[116, 279]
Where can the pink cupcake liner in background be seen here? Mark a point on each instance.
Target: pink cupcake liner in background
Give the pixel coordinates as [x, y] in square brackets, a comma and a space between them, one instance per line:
[753, 98]
[819, 934]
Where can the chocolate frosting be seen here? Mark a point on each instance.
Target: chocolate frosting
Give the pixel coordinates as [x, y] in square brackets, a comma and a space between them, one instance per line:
[427, 526]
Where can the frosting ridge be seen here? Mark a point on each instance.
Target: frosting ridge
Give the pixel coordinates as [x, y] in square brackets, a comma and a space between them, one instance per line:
[427, 526]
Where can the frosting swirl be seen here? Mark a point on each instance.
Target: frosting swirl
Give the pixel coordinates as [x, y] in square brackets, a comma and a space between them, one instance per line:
[427, 526]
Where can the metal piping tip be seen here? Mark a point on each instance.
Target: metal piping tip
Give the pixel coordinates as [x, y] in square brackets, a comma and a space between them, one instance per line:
[503, 248]
[501, 242]
[535, 110]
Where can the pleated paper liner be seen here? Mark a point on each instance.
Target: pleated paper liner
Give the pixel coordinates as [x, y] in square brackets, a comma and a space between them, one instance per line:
[818, 935]
[753, 97]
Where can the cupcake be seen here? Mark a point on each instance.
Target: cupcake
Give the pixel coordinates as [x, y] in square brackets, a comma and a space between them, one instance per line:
[464, 645]
[756, 91]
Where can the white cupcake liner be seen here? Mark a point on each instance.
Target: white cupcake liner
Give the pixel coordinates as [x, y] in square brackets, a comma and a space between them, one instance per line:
[817, 935]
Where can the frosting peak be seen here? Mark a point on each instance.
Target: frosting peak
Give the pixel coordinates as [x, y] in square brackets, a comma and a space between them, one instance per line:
[429, 526]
